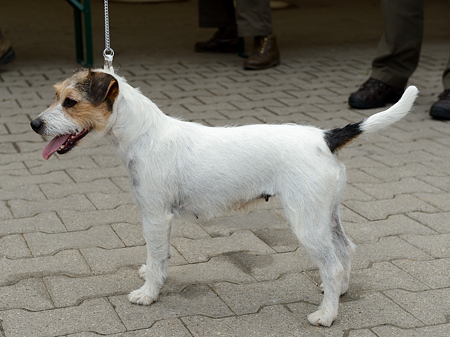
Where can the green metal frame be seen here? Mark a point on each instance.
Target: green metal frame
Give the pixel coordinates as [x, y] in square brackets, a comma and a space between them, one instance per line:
[86, 59]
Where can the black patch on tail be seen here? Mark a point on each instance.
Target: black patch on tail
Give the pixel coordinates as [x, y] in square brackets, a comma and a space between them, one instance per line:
[338, 138]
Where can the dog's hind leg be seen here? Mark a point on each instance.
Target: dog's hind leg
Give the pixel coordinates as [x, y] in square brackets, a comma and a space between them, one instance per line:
[315, 234]
[344, 248]
[157, 238]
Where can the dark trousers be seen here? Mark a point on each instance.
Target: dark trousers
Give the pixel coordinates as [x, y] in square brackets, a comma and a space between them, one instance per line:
[252, 17]
[399, 48]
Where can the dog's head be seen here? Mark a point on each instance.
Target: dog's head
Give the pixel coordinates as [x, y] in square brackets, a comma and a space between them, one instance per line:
[83, 106]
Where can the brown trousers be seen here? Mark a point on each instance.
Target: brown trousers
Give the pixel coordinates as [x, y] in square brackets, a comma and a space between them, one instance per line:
[399, 48]
[252, 17]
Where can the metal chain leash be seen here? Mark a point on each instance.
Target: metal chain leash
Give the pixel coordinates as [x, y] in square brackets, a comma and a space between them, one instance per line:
[108, 53]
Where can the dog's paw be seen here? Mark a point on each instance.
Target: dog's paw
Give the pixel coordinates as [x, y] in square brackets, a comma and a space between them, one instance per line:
[321, 318]
[344, 288]
[141, 296]
[142, 271]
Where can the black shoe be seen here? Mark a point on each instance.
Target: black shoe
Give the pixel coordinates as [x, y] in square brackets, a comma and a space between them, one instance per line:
[225, 40]
[374, 94]
[6, 52]
[441, 108]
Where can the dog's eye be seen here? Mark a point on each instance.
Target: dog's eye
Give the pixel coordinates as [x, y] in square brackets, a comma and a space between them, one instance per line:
[68, 102]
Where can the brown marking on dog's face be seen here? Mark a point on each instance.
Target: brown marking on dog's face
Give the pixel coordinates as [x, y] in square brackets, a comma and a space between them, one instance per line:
[88, 98]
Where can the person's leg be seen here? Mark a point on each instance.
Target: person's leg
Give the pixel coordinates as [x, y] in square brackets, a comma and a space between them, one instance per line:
[397, 56]
[254, 18]
[441, 108]
[399, 48]
[218, 14]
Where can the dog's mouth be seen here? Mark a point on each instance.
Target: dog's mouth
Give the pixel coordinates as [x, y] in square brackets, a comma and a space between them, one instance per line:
[63, 144]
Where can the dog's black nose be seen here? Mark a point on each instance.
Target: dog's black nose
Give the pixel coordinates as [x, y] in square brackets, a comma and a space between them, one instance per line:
[36, 125]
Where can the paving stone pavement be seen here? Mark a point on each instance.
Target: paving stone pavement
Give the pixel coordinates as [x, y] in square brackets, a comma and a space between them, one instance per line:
[70, 235]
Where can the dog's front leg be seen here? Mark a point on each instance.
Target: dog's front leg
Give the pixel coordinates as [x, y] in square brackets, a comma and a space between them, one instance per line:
[157, 237]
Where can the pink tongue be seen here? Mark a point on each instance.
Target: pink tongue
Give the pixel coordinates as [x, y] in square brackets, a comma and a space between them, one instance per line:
[53, 146]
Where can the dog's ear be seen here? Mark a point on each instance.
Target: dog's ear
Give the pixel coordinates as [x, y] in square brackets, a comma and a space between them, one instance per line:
[102, 87]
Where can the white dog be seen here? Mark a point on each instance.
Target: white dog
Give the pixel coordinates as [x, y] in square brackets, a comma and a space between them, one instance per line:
[179, 168]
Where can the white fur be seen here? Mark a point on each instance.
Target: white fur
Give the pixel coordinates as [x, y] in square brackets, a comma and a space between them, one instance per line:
[187, 169]
[393, 114]
[58, 122]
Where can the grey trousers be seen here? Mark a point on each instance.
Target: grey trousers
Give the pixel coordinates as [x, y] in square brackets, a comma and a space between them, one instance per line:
[252, 17]
[399, 48]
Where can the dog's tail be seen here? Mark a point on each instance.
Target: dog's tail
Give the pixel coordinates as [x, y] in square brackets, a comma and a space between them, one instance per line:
[338, 138]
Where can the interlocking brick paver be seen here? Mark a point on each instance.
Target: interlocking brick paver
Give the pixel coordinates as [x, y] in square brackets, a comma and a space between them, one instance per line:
[97, 315]
[386, 249]
[75, 220]
[71, 237]
[438, 200]
[55, 191]
[440, 182]
[97, 236]
[249, 298]
[270, 267]
[194, 300]
[436, 221]
[187, 229]
[259, 324]
[281, 240]
[7, 148]
[168, 327]
[361, 333]
[371, 309]
[107, 160]
[68, 262]
[106, 261]
[39, 167]
[44, 222]
[218, 269]
[353, 193]
[5, 212]
[381, 209]
[202, 250]
[88, 175]
[259, 219]
[15, 169]
[404, 186]
[372, 231]
[130, 234]
[380, 276]
[430, 307]
[11, 181]
[23, 208]
[437, 246]
[429, 331]
[31, 193]
[109, 200]
[347, 215]
[29, 294]
[13, 247]
[70, 291]
[434, 273]
[409, 170]
[358, 176]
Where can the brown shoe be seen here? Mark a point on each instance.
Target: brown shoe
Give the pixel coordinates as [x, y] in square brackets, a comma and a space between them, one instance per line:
[225, 40]
[441, 108]
[374, 94]
[6, 52]
[265, 53]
